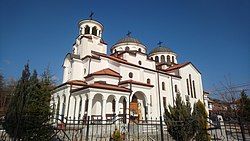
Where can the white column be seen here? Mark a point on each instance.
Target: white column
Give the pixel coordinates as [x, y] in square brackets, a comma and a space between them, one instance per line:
[83, 107]
[117, 109]
[90, 106]
[77, 98]
[104, 101]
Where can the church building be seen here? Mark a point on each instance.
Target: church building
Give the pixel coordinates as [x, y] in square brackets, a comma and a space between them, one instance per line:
[128, 82]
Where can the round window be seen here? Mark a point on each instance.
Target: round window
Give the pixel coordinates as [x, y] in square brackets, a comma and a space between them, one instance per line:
[139, 62]
[130, 75]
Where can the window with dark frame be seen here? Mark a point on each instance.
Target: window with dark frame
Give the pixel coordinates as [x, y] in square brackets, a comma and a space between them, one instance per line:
[156, 59]
[163, 85]
[130, 75]
[187, 87]
[94, 31]
[190, 84]
[148, 81]
[175, 88]
[87, 29]
[194, 89]
[127, 48]
[164, 102]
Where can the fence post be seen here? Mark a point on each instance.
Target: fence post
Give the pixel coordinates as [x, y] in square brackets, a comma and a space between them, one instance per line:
[161, 127]
[242, 129]
[87, 132]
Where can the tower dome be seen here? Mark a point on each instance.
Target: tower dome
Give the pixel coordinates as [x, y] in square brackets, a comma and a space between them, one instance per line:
[90, 27]
[160, 49]
[163, 55]
[128, 43]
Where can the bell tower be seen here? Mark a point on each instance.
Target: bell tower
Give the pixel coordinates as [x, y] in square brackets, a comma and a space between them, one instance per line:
[90, 38]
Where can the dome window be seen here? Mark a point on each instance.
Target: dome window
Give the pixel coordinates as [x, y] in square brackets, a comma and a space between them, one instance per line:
[126, 48]
[162, 58]
[94, 31]
[173, 59]
[139, 49]
[156, 59]
[87, 29]
[168, 58]
[130, 75]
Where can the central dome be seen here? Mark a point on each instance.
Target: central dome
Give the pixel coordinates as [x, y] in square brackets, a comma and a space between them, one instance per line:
[128, 39]
[160, 49]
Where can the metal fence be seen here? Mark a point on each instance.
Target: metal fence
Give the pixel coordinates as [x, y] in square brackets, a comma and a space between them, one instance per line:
[118, 129]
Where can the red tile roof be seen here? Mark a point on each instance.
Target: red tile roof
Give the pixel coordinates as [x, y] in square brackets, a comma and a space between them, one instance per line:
[177, 66]
[100, 85]
[131, 64]
[73, 82]
[106, 71]
[136, 83]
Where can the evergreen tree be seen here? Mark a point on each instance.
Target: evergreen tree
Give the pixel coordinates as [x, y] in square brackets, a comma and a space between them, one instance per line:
[243, 107]
[179, 120]
[200, 116]
[29, 111]
[13, 120]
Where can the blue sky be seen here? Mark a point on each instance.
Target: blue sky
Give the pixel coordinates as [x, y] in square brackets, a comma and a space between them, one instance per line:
[214, 35]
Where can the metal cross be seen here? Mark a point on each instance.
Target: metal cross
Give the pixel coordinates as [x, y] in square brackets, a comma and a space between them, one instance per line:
[129, 33]
[159, 43]
[91, 15]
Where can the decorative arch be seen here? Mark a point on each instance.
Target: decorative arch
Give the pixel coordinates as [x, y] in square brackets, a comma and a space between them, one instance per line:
[168, 58]
[156, 59]
[110, 104]
[138, 106]
[97, 105]
[87, 29]
[162, 58]
[94, 30]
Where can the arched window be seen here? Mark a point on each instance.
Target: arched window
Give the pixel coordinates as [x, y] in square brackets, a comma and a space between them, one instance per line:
[113, 106]
[175, 88]
[173, 59]
[187, 87]
[127, 48]
[87, 29]
[94, 31]
[148, 81]
[163, 85]
[190, 84]
[194, 89]
[162, 58]
[168, 58]
[156, 59]
[139, 49]
[130, 75]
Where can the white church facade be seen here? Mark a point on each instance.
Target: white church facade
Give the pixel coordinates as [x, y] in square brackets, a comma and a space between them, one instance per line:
[129, 82]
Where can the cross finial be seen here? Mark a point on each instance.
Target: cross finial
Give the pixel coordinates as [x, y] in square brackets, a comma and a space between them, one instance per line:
[91, 15]
[159, 43]
[129, 33]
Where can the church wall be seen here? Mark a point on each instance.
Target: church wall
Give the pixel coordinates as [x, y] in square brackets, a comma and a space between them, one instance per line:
[77, 69]
[139, 57]
[196, 76]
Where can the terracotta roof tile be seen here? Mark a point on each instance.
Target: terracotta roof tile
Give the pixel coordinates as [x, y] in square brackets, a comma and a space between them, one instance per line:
[135, 82]
[177, 66]
[106, 71]
[99, 85]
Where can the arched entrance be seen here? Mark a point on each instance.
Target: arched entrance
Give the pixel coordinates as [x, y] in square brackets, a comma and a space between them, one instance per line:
[138, 107]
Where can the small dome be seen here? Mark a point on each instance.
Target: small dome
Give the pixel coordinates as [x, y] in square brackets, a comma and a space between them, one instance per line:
[128, 39]
[160, 49]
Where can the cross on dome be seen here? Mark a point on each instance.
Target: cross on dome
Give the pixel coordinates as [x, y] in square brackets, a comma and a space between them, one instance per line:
[91, 15]
[128, 34]
[159, 43]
